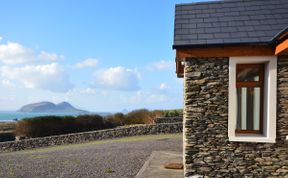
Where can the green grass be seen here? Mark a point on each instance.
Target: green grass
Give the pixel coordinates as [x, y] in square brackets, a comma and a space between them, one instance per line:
[100, 142]
[109, 170]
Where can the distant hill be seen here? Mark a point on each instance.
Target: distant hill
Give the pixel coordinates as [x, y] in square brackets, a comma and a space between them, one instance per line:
[51, 107]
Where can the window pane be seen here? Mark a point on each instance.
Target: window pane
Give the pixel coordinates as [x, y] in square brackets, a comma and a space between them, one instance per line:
[248, 74]
[248, 108]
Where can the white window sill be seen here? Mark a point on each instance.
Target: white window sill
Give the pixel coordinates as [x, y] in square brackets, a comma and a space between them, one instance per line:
[254, 139]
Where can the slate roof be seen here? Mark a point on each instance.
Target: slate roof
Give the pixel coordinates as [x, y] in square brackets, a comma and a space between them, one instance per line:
[229, 22]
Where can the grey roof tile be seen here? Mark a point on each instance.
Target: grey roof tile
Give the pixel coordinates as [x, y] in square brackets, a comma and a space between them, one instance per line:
[232, 40]
[203, 15]
[181, 31]
[212, 30]
[249, 40]
[245, 28]
[214, 41]
[204, 25]
[183, 37]
[239, 34]
[213, 19]
[236, 23]
[205, 36]
[198, 42]
[189, 25]
[257, 34]
[219, 14]
[222, 35]
[220, 24]
[229, 21]
[228, 29]
[252, 22]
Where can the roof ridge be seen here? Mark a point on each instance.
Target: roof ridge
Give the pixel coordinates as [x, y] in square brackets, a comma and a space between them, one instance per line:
[214, 2]
[200, 3]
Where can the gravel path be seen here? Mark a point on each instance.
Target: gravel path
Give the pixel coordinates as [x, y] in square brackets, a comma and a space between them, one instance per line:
[112, 158]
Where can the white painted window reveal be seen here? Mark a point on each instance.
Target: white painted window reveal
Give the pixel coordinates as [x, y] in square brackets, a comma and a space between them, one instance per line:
[270, 98]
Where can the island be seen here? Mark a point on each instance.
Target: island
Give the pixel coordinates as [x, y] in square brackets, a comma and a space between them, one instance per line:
[46, 106]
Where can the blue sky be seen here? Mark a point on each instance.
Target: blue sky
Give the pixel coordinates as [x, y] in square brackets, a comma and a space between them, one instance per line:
[97, 55]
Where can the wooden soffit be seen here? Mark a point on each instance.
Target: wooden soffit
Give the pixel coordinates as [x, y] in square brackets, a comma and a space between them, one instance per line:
[225, 51]
[282, 48]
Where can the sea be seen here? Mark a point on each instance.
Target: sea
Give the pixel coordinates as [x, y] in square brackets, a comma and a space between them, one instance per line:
[10, 116]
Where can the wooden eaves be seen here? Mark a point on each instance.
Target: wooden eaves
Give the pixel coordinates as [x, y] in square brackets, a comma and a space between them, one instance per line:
[280, 48]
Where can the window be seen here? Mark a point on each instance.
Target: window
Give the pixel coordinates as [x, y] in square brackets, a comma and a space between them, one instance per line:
[250, 89]
[252, 99]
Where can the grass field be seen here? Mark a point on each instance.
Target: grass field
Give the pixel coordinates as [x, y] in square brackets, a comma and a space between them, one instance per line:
[7, 126]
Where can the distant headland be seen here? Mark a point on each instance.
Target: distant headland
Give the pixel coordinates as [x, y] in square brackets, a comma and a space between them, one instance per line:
[46, 106]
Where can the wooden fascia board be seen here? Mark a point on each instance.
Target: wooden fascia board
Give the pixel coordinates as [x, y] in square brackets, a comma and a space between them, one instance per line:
[183, 54]
[226, 51]
[282, 48]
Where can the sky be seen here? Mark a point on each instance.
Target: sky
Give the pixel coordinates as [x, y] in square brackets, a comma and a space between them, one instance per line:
[101, 56]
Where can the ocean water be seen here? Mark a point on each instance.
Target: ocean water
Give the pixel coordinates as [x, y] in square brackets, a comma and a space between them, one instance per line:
[6, 116]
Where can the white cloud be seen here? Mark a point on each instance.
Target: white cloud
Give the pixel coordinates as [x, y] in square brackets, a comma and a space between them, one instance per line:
[14, 53]
[163, 86]
[48, 77]
[1, 38]
[117, 78]
[90, 62]
[162, 65]
[50, 56]
[144, 97]
[88, 91]
[104, 93]
[7, 83]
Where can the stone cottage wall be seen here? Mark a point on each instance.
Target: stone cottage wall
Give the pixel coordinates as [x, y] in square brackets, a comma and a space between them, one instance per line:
[207, 150]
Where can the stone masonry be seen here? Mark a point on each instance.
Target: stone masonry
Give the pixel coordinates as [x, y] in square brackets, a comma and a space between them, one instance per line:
[166, 120]
[125, 131]
[207, 149]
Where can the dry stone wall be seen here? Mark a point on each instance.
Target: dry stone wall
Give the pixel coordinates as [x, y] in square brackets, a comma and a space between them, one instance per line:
[166, 120]
[207, 150]
[91, 136]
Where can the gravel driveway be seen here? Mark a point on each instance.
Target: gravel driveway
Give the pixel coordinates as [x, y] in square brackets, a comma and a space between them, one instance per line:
[111, 158]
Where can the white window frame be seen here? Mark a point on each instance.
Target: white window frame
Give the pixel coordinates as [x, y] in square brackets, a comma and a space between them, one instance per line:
[270, 100]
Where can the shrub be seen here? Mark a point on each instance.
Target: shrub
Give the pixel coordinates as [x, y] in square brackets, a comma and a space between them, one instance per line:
[173, 113]
[141, 116]
[55, 125]
[116, 119]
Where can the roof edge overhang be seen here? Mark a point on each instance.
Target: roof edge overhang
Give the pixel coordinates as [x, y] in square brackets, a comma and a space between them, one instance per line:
[280, 42]
[219, 45]
[279, 37]
[277, 46]
[219, 51]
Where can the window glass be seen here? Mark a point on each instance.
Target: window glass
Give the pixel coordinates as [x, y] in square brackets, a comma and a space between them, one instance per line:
[247, 74]
[248, 108]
